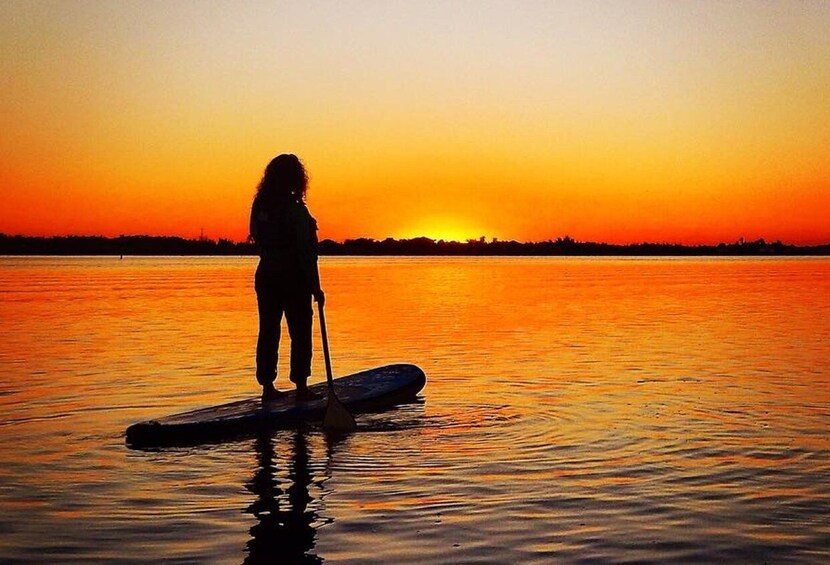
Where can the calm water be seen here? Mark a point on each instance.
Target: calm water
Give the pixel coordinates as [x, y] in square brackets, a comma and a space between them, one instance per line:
[576, 410]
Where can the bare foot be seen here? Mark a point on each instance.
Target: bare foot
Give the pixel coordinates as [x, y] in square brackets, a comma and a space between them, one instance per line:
[304, 394]
[270, 394]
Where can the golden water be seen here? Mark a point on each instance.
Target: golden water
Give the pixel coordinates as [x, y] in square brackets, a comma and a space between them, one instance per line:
[576, 409]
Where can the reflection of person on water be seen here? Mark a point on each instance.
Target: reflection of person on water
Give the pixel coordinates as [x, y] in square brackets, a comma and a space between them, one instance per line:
[287, 276]
[282, 535]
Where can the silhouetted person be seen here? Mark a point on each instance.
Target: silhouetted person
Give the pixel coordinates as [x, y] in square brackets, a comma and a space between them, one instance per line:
[282, 534]
[287, 276]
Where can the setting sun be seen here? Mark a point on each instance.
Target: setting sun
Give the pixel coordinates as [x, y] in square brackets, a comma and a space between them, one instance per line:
[442, 228]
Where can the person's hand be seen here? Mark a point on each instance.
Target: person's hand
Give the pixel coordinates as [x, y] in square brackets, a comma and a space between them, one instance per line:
[319, 296]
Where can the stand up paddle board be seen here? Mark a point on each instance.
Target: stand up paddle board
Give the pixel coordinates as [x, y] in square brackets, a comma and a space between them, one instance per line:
[373, 389]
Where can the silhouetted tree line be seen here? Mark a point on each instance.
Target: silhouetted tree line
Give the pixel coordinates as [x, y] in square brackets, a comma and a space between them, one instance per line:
[123, 245]
[154, 245]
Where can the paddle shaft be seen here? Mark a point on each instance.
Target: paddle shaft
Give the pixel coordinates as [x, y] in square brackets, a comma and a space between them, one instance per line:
[329, 377]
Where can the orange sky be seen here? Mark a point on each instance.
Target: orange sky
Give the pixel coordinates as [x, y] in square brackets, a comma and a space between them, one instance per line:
[611, 121]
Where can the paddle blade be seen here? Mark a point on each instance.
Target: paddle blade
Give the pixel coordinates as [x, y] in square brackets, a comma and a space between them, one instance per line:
[338, 418]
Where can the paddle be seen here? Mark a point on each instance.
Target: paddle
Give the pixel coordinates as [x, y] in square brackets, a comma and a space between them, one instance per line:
[337, 418]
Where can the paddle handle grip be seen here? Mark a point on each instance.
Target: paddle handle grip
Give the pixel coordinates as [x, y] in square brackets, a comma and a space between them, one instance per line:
[326, 355]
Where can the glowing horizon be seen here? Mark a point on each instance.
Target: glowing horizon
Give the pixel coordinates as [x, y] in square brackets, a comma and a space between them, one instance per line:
[605, 121]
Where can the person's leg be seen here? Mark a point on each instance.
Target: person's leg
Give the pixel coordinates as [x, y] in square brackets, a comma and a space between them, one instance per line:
[270, 316]
[298, 315]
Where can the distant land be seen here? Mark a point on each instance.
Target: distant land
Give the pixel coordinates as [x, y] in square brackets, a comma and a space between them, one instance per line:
[161, 245]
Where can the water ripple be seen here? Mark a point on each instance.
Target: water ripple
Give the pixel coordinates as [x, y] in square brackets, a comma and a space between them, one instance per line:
[590, 410]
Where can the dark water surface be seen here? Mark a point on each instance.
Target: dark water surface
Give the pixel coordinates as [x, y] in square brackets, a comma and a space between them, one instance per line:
[576, 410]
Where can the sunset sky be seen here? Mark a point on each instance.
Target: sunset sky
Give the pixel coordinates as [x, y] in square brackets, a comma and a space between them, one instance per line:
[608, 121]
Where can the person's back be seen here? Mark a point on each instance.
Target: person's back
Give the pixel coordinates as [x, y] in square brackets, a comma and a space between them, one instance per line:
[287, 277]
[286, 238]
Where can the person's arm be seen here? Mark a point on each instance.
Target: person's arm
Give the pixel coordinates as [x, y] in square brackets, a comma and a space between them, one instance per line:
[306, 241]
[252, 226]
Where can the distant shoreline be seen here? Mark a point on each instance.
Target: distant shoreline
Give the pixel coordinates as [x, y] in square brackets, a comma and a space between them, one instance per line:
[421, 246]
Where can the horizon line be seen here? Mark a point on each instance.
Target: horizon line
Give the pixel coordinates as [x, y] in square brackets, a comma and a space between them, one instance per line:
[479, 240]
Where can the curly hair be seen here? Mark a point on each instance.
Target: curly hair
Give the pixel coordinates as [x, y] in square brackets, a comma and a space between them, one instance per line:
[284, 181]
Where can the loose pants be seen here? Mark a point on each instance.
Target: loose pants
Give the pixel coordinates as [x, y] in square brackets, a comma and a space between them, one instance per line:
[280, 291]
